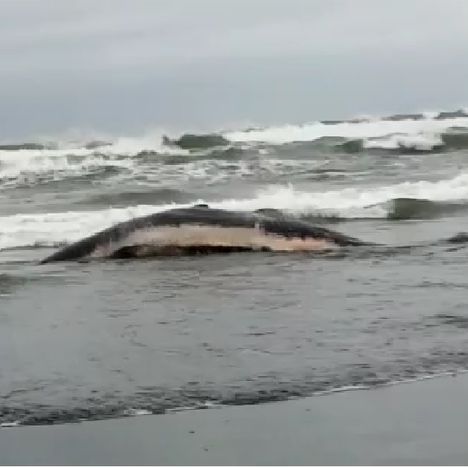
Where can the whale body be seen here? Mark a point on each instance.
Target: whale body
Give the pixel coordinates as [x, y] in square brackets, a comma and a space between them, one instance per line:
[201, 229]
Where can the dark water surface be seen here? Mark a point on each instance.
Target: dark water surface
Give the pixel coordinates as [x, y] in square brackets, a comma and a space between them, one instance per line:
[112, 338]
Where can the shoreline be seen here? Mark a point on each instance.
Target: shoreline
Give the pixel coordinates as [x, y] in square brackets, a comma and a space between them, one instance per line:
[421, 422]
[137, 412]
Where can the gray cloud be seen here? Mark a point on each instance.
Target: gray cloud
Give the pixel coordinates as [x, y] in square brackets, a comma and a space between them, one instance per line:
[122, 66]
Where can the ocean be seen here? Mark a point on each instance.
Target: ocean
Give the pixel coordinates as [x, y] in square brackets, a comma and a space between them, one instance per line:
[115, 338]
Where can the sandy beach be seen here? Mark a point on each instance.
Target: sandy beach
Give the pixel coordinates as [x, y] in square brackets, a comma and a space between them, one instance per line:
[422, 422]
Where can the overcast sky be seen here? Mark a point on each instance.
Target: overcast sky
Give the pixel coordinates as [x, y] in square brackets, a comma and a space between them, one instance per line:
[127, 66]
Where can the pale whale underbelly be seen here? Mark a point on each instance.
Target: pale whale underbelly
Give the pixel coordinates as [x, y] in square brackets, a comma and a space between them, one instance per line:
[173, 240]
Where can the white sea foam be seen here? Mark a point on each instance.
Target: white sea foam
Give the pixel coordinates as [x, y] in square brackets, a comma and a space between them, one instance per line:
[31, 165]
[375, 128]
[74, 159]
[137, 412]
[352, 202]
[420, 142]
[10, 424]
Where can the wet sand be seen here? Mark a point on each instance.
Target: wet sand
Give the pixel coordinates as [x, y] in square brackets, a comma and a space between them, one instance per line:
[424, 422]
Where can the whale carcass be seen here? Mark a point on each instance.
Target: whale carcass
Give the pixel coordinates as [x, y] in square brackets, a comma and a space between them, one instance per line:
[200, 229]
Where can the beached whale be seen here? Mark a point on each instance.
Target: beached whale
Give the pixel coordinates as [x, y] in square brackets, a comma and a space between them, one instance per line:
[201, 229]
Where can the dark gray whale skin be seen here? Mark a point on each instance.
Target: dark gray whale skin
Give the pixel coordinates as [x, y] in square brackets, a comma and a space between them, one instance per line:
[270, 221]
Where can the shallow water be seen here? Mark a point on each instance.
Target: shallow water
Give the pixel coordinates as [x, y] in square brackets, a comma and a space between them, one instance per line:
[112, 338]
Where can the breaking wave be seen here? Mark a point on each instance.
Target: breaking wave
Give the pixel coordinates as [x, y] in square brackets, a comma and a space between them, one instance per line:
[452, 139]
[408, 200]
[149, 156]
[354, 129]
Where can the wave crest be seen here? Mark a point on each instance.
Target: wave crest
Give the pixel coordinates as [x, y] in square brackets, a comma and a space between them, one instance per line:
[401, 201]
